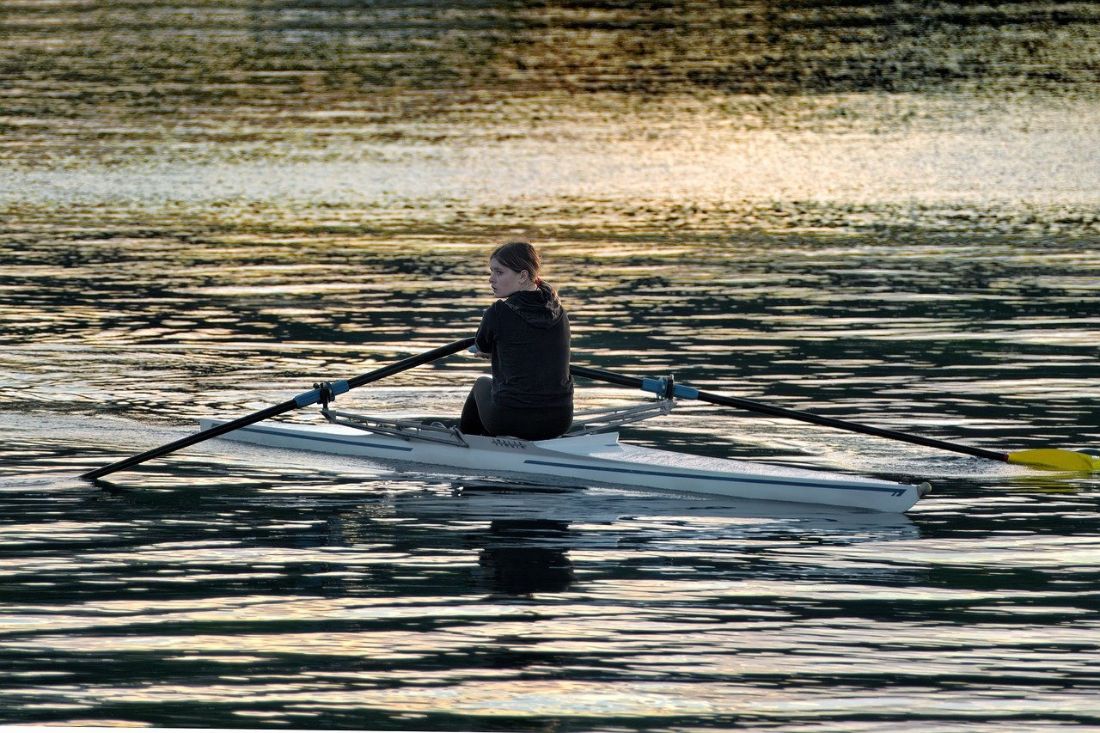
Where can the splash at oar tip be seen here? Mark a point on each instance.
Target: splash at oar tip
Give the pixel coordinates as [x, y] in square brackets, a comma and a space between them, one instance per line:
[1056, 459]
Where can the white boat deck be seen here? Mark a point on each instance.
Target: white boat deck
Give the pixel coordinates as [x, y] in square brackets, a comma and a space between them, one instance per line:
[593, 460]
[670, 459]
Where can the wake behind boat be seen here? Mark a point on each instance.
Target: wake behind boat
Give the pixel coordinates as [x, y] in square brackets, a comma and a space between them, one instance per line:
[586, 456]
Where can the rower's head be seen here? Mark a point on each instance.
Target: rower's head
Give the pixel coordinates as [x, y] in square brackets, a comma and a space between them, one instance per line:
[514, 266]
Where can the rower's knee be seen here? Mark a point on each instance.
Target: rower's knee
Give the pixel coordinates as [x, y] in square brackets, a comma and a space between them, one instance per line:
[483, 390]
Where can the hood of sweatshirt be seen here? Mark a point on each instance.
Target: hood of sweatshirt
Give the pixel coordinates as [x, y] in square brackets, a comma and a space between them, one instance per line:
[538, 308]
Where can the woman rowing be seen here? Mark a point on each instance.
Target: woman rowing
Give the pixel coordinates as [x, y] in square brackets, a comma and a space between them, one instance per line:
[526, 335]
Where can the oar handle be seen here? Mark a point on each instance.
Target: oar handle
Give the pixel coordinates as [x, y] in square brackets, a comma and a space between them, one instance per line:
[760, 407]
[413, 361]
[601, 375]
[303, 400]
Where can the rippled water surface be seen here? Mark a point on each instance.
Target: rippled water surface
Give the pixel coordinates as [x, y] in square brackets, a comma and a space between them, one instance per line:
[885, 213]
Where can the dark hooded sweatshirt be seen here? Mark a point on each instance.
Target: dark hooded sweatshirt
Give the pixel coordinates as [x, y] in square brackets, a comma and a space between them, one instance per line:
[528, 336]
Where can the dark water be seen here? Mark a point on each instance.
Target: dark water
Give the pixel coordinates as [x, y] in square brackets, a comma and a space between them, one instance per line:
[883, 212]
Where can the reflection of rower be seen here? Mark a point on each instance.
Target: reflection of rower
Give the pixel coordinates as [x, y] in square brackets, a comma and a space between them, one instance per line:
[518, 560]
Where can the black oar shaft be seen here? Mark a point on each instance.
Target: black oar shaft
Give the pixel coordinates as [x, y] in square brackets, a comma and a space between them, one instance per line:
[409, 363]
[189, 440]
[605, 376]
[832, 422]
[302, 400]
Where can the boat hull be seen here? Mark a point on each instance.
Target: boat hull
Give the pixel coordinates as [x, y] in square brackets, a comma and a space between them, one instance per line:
[592, 460]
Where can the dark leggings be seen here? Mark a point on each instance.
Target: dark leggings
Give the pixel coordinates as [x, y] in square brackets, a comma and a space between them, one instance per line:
[481, 416]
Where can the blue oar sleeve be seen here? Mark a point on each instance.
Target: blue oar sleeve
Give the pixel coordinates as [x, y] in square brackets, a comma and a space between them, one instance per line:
[660, 386]
[314, 396]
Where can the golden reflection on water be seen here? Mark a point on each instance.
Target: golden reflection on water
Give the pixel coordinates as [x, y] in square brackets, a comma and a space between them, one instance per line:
[798, 181]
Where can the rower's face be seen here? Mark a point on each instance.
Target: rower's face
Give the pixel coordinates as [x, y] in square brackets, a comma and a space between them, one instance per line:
[504, 281]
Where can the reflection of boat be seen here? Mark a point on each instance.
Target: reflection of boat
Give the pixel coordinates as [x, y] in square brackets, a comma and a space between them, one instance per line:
[582, 458]
[597, 515]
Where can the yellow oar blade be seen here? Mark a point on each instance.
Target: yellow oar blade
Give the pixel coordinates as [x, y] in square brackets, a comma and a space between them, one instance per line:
[1056, 459]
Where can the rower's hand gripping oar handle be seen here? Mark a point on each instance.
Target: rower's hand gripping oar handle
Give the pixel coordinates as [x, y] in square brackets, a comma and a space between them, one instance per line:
[323, 392]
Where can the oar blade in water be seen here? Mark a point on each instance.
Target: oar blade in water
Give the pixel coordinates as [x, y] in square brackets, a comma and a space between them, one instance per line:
[1055, 458]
